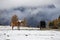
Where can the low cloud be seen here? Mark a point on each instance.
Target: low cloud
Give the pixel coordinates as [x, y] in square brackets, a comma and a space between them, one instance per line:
[37, 9]
[7, 4]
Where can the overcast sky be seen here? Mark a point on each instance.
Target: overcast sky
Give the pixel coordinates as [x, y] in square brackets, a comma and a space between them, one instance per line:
[6, 4]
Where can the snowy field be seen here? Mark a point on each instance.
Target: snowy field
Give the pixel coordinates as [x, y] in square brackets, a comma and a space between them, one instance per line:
[7, 34]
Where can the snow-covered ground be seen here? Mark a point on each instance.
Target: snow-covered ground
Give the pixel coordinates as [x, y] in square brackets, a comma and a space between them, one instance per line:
[7, 34]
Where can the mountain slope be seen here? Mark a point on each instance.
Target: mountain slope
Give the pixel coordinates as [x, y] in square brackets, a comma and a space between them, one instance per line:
[32, 14]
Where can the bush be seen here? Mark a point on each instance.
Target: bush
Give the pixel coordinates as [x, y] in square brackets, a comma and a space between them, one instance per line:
[51, 24]
[58, 25]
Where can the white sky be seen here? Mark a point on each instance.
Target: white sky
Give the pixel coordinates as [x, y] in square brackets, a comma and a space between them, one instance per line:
[4, 4]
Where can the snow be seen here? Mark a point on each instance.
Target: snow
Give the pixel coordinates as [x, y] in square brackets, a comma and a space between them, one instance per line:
[7, 34]
[20, 20]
